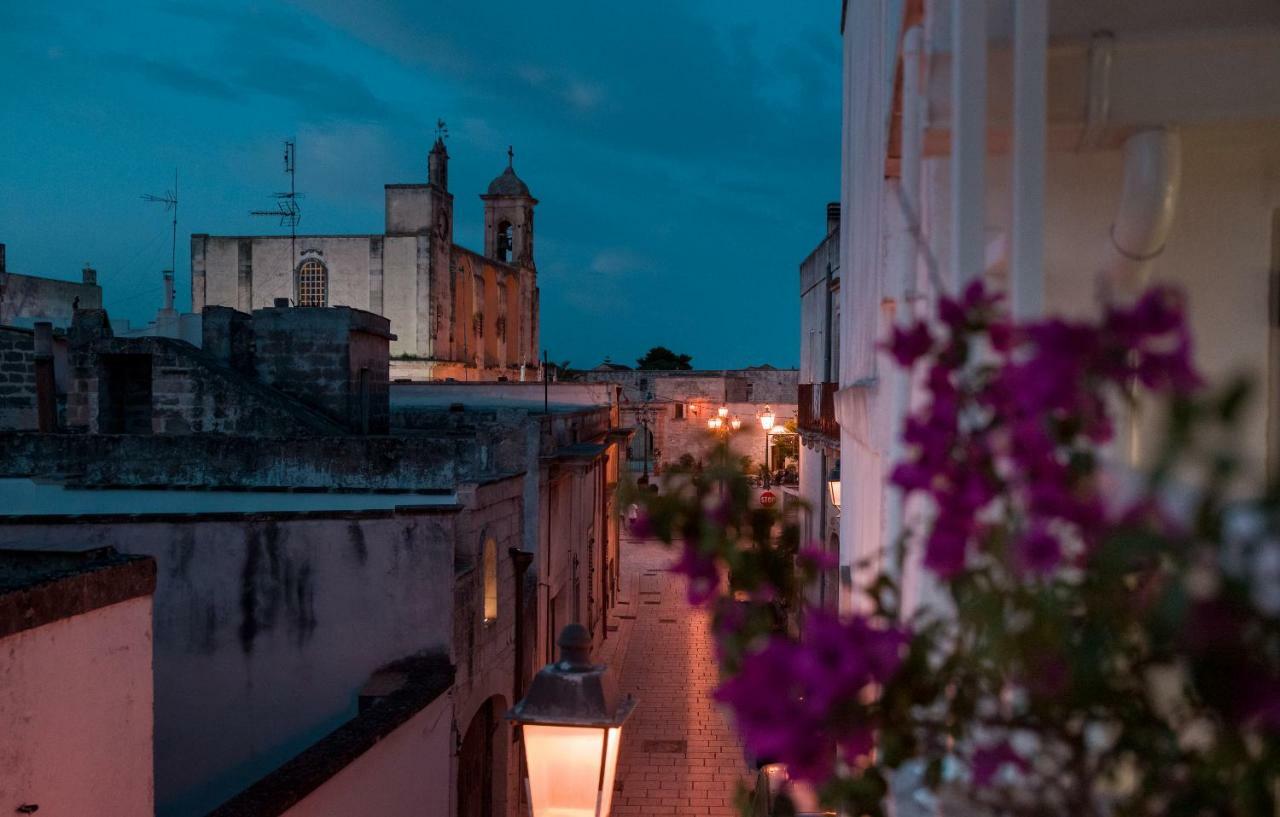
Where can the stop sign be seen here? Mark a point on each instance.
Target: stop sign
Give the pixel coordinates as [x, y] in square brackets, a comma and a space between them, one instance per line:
[768, 498]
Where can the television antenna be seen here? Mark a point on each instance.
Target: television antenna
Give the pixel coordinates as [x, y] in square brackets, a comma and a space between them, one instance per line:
[287, 209]
[170, 202]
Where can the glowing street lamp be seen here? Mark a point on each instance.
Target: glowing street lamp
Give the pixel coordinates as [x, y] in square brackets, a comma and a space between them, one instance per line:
[767, 418]
[735, 424]
[833, 485]
[572, 720]
[723, 411]
[714, 423]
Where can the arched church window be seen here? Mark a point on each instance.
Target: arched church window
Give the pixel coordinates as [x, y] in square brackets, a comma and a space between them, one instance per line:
[490, 568]
[313, 284]
[505, 239]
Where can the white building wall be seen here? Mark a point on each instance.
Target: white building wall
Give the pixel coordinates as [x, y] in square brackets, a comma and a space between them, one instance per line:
[76, 714]
[405, 774]
[400, 291]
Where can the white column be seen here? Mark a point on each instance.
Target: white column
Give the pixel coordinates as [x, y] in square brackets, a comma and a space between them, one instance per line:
[1030, 56]
[968, 138]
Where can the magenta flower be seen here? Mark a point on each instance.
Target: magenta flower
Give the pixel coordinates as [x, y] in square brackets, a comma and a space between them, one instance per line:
[909, 345]
[789, 698]
[1039, 551]
[988, 760]
[642, 526]
[817, 558]
[702, 573]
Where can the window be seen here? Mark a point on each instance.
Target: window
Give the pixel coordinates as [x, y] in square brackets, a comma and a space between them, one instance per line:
[313, 284]
[490, 568]
[679, 411]
[505, 243]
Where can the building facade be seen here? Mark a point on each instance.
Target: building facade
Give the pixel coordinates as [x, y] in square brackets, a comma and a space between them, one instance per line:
[1065, 153]
[456, 313]
[816, 421]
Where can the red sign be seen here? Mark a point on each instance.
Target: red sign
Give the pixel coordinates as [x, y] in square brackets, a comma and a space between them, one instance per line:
[768, 499]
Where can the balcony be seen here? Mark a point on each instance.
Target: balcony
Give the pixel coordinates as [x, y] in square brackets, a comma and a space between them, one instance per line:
[818, 410]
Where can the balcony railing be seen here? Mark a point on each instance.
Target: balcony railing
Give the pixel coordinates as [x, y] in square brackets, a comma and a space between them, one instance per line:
[818, 409]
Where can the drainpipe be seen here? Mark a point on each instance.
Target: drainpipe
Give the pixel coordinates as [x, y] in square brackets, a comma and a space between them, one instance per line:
[46, 394]
[521, 559]
[1148, 201]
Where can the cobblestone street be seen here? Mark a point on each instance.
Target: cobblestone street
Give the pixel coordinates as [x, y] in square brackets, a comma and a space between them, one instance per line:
[679, 753]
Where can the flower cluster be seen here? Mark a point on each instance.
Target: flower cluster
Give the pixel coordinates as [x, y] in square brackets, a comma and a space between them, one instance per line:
[791, 699]
[1016, 413]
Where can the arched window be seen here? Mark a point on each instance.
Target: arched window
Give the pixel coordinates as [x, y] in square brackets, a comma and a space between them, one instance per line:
[490, 568]
[313, 284]
[505, 241]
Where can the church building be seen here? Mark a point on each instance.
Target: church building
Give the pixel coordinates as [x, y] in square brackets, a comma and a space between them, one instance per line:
[456, 313]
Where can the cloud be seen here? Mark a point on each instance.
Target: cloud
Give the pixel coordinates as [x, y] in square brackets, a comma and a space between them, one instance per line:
[174, 76]
[616, 262]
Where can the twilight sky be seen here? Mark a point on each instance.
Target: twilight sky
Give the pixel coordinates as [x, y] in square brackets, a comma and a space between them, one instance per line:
[682, 150]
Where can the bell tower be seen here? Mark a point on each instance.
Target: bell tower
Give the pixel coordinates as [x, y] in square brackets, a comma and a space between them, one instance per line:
[508, 218]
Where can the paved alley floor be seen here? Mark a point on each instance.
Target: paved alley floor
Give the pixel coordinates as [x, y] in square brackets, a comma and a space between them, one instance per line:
[679, 753]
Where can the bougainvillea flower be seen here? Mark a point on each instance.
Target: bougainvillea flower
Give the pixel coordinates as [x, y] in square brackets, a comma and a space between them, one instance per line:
[988, 760]
[909, 345]
[702, 572]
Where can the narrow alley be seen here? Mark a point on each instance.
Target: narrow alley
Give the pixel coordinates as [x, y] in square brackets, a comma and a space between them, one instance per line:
[679, 754]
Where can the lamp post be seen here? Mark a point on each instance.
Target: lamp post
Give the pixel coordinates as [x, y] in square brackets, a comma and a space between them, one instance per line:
[833, 486]
[645, 416]
[572, 719]
[767, 418]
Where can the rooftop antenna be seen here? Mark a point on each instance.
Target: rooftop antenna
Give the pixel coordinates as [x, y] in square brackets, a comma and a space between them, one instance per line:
[170, 202]
[287, 209]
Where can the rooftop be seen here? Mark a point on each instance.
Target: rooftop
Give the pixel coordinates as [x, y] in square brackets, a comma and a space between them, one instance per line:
[28, 497]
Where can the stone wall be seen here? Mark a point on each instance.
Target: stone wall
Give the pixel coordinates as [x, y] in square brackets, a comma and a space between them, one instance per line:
[724, 385]
[28, 298]
[407, 462]
[266, 627]
[17, 379]
[316, 355]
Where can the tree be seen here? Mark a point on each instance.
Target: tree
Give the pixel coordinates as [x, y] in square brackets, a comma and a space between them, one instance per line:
[660, 358]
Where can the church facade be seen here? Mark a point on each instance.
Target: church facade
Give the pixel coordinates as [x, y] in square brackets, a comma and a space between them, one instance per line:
[456, 313]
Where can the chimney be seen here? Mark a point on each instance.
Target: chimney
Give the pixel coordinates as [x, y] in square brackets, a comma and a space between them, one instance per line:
[90, 275]
[833, 217]
[282, 303]
[168, 290]
[46, 388]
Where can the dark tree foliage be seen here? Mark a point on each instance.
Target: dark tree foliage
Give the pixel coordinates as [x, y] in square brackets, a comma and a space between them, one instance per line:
[660, 358]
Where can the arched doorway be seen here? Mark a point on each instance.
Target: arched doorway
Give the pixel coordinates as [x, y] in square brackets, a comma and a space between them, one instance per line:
[482, 762]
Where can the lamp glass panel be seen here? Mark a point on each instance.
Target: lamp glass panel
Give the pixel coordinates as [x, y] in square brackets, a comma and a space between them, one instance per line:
[564, 769]
[834, 485]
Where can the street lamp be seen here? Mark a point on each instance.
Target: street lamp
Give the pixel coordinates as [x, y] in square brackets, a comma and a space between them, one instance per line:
[766, 422]
[645, 416]
[723, 411]
[572, 720]
[833, 485]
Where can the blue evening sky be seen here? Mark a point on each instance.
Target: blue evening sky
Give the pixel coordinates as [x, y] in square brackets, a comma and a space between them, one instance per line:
[682, 150]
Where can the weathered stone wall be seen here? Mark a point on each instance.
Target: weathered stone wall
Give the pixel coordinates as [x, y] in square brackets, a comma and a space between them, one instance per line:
[266, 627]
[227, 335]
[727, 385]
[484, 650]
[17, 379]
[314, 355]
[418, 462]
[28, 298]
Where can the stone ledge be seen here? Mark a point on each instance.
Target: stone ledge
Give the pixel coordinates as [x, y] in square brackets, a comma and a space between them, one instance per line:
[40, 586]
[415, 682]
